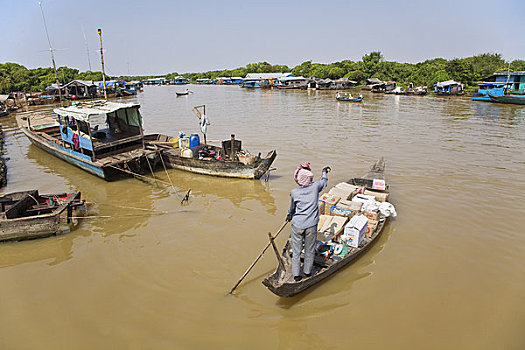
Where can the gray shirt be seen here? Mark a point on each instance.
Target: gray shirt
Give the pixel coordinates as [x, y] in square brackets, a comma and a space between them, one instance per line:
[304, 204]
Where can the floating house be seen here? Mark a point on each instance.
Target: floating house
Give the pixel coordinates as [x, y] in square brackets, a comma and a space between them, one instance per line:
[499, 84]
[251, 83]
[263, 80]
[329, 84]
[131, 88]
[373, 84]
[204, 81]
[80, 89]
[155, 81]
[449, 87]
[228, 81]
[180, 80]
[292, 83]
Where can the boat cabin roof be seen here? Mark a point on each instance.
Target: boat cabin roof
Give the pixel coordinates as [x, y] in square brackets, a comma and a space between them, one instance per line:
[84, 110]
[493, 83]
[448, 83]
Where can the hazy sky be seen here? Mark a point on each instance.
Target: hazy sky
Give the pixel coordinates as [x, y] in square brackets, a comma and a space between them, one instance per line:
[162, 36]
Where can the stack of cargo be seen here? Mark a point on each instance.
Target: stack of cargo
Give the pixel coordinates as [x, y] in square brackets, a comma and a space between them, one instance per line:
[348, 215]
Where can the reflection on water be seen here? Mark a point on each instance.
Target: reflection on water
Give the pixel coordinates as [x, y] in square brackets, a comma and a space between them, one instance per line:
[52, 251]
[159, 272]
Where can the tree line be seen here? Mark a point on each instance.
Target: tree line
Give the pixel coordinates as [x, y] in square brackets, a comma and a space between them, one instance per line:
[469, 70]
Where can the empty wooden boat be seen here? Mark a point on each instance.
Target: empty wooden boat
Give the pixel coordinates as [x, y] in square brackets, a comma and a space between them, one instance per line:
[28, 214]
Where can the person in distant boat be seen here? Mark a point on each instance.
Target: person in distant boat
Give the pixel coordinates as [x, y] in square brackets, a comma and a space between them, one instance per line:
[304, 215]
[337, 95]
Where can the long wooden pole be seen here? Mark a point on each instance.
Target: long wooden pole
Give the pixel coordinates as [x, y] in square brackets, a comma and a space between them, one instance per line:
[102, 60]
[259, 257]
[52, 55]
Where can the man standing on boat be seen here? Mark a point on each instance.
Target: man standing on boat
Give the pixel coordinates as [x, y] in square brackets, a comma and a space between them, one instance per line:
[304, 215]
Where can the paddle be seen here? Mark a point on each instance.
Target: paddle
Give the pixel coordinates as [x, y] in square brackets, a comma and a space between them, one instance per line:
[260, 255]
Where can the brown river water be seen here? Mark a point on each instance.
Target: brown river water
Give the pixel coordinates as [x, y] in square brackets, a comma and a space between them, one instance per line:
[447, 273]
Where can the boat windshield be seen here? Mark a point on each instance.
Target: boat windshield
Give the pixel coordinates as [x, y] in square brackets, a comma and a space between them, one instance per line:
[116, 125]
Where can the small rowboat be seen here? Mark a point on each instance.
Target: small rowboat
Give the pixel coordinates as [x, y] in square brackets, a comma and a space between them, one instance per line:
[348, 99]
[282, 283]
[183, 93]
[28, 214]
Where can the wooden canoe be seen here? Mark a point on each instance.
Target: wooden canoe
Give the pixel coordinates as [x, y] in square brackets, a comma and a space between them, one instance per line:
[28, 215]
[356, 99]
[282, 283]
[224, 167]
[518, 100]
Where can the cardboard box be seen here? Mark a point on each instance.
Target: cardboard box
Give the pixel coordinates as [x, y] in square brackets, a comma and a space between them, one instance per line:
[321, 205]
[355, 231]
[379, 196]
[379, 184]
[363, 198]
[329, 200]
[347, 187]
[353, 190]
[371, 227]
[372, 215]
[342, 194]
[354, 206]
[331, 224]
[339, 210]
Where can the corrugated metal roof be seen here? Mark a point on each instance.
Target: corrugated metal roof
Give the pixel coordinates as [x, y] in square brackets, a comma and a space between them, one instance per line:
[83, 110]
[511, 73]
[448, 83]
[267, 75]
[292, 78]
[82, 82]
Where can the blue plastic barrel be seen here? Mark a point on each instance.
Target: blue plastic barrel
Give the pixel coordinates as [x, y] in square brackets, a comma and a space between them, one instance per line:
[194, 140]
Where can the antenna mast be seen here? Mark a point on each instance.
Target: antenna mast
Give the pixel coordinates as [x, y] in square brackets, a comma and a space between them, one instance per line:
[52, 55]
[87, 48]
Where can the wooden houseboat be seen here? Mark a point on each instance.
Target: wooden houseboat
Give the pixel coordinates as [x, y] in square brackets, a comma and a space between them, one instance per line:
[449, 87]
[101, 137]
[292, 83]
[510, 83]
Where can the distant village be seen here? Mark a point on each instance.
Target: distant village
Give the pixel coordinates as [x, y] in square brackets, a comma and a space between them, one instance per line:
[81, 89]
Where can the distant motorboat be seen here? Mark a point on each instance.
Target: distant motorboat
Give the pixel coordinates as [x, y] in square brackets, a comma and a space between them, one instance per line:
[183, 93]
[348, 98]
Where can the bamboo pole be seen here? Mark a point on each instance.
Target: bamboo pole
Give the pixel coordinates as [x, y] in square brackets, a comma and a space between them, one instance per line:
[102, 60]
[259, 257]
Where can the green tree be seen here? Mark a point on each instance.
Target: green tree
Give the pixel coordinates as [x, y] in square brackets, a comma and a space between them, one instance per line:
[370, 62]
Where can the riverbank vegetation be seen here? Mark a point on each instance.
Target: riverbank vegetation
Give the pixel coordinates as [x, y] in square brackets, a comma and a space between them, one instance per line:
[469, 70]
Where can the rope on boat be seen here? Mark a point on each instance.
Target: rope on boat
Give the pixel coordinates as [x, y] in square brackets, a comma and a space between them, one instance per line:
[136, 208]
[137, 175]
[127, 215]
[150, 168]
[164, 166]
[185, 198]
